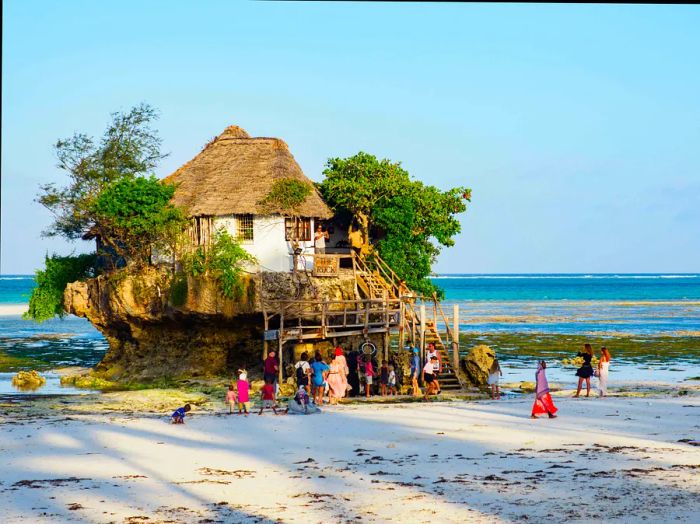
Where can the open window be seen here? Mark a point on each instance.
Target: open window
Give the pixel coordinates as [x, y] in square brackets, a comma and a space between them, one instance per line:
[297, 229]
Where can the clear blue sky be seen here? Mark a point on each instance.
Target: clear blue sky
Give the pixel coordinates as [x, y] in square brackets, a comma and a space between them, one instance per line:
[577, 127]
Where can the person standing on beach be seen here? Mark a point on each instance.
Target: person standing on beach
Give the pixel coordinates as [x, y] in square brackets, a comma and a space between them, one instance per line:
[415, 372]
[369, 375]
[231, 399]
[437, 363]
[494, 375]
[543, 400]
[303, 370]
[337, 376]
[320, 369]
[429, 377]
[243, 392]
[353, 373]
[586, 370]
[267, 395]
[271, 368]
[603, 368]
[392, 380]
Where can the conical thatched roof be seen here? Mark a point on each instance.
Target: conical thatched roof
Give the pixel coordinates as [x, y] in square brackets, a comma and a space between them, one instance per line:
[234, 172]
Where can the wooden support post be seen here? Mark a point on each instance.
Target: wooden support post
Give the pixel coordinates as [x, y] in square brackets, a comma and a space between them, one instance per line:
[402, 319]
[267, 325]
[455, 335]
[422, 333]
[386, 327]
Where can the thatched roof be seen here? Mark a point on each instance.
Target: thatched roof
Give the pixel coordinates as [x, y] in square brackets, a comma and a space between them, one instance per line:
[234, 172]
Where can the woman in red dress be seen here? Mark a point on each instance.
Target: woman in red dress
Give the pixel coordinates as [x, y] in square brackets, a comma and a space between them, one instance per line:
[543, 400]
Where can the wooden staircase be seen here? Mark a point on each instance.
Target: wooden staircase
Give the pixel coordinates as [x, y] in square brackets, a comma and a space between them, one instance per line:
[377, 281]
[449, 380]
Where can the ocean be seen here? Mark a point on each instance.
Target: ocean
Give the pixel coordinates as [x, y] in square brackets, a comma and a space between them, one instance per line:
[650, 322]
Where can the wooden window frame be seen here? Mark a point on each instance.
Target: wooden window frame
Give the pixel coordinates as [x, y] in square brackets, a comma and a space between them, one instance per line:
[304, 225]
[245, 227]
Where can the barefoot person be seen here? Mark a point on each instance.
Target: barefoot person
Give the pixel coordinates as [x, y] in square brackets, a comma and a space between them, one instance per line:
[415, 372]
[494, 375]
[429, 378]
[320, 370]
[543, 400]
[585, 371]
[603, 368]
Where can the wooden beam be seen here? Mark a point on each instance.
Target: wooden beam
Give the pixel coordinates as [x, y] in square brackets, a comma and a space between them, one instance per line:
[422, 332]
[455, 335]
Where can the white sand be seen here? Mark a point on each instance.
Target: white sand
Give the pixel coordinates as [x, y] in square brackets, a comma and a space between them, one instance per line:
[617, 459]
[11, 310]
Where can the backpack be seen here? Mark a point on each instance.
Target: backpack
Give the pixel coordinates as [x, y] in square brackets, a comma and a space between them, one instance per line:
[300, 374]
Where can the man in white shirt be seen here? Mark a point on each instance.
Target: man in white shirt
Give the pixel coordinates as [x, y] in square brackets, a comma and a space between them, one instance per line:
[320, 240]
[429, 377]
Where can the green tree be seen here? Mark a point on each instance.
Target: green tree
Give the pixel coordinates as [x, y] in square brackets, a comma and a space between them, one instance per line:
[129, 147]
[133, 215]
[224, 260]
[406, 221]
[47, 297]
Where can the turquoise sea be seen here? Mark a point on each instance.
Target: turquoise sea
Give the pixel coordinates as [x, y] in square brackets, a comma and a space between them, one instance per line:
[650, 321]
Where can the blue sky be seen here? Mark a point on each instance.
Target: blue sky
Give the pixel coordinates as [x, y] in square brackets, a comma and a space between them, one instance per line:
[577, 127]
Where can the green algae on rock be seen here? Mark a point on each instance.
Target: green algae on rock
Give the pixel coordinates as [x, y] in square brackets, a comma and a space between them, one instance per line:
[28, 380]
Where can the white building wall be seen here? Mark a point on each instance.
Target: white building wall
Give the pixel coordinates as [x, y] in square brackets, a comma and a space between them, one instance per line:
[268, 246]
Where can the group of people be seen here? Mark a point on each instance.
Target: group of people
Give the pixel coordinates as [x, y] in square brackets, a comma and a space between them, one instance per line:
[343, 376]
[543, 400]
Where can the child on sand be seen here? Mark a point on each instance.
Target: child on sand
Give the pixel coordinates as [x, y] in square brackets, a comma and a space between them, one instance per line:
[383, 378]
[429, 377]
[267, 395]
[243, 392]
[369, 375]
[231, 399]
[392, 381]
[494, 374]
[178, 416]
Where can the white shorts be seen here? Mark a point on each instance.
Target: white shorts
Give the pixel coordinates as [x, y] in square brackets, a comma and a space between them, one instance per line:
[368, 381]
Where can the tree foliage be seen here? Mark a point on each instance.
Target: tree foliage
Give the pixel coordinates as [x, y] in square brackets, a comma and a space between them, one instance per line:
[128, 148]
[286, 195]
[406, 221]
[46, 300]
[224, 260]
[133, 215]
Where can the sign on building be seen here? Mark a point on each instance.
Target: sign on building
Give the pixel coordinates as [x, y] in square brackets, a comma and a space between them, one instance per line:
[325, 266]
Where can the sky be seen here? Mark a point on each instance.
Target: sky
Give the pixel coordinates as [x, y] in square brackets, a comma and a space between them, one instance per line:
[576, 126]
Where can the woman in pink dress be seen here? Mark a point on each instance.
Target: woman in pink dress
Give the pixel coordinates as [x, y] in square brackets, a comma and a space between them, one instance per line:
[543, 400]
[337, 377]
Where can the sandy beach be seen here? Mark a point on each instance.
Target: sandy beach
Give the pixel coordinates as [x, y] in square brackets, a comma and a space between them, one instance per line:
[619, 459]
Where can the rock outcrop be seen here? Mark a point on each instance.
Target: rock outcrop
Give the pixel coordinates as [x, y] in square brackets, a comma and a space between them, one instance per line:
[161, 325]
[476, 365]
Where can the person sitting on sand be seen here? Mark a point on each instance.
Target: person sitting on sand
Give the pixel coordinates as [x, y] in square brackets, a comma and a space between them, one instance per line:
[585, 371]
[543, 400]
[603, 368]
[392, 380]
[267, 395]
[231, 399]
[243, 392]
[178, 416]
[494, 374]
[415, 372]
[429, 377]
[320, 369]
[301, 404]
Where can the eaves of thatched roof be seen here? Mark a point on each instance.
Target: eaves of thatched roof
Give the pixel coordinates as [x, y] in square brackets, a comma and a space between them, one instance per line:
[234, 172]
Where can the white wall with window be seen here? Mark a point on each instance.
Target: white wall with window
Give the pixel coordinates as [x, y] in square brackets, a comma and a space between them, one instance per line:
[268, 238]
